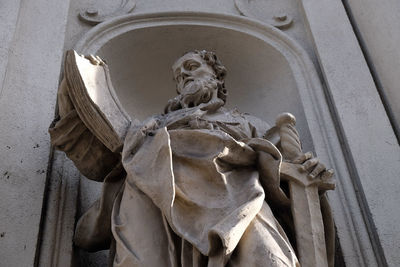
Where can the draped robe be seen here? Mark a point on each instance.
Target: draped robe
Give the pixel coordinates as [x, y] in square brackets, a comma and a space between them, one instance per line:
[186, 191]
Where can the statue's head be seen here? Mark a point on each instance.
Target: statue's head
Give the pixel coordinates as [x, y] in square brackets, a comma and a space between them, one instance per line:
[200, 78]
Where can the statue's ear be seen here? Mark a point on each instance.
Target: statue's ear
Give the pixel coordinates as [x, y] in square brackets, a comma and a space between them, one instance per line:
[95, 100]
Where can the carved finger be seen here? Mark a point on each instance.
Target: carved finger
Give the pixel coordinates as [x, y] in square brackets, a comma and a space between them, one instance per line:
[327, 175]
[309, 164]
[317, 171]
[90, 58]
[303, 158]
[101, 62]
[93, 59]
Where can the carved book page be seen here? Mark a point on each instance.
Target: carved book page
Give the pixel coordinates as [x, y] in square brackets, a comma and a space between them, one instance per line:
[93, 96]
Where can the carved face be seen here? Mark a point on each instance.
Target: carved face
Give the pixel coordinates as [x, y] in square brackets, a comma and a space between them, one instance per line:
[189, 69]
[196, 84]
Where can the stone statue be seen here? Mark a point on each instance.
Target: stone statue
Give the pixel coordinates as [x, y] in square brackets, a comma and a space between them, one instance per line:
[199, 185]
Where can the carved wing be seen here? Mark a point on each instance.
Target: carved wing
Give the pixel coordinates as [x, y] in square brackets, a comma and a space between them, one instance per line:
[92, 94]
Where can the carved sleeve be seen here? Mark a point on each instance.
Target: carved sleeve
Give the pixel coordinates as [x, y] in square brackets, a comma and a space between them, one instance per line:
[69, 134]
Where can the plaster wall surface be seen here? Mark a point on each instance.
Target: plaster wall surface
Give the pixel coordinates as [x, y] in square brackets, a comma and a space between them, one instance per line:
[378, 25]
[372, 151]
[32, 38]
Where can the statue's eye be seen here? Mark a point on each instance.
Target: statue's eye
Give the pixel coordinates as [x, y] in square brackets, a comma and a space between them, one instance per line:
[191, 65]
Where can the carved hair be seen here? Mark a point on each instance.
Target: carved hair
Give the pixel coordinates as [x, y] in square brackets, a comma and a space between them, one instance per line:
[220, 71]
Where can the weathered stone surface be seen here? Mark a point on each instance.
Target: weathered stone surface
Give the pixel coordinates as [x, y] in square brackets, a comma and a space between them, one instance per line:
[377, 27]
[362, 119]
[31, 45]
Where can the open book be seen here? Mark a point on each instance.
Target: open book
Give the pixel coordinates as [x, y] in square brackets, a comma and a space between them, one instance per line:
[93, 96]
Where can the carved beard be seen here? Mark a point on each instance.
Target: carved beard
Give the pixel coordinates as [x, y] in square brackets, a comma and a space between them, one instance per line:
[195, 93]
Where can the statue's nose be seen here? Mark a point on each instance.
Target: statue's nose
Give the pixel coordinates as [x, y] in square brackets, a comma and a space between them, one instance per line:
[184, 74]
[181, 77]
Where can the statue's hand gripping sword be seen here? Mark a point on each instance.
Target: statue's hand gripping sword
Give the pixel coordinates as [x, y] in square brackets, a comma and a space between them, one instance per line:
[304, 197]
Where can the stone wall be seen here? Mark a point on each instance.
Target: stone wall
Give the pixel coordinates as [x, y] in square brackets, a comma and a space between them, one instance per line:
[326, 77]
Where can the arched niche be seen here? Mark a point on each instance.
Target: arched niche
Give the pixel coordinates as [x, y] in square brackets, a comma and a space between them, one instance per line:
[266, 69]
[268, 73]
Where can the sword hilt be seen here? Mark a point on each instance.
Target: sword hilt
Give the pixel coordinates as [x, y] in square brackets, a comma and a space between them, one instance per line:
[290, 141]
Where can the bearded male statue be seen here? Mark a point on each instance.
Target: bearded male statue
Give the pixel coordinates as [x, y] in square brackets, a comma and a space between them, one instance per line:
[196, 186]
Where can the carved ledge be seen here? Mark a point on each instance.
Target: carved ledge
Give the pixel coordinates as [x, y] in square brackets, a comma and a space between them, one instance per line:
[271, 11]
[93, 17]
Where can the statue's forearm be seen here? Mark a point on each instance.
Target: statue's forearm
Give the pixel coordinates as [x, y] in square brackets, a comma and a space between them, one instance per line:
[89, 155]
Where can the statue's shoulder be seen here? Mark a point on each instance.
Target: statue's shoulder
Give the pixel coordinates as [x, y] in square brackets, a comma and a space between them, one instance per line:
[260, 126]
[234, 116]
[253, 120]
